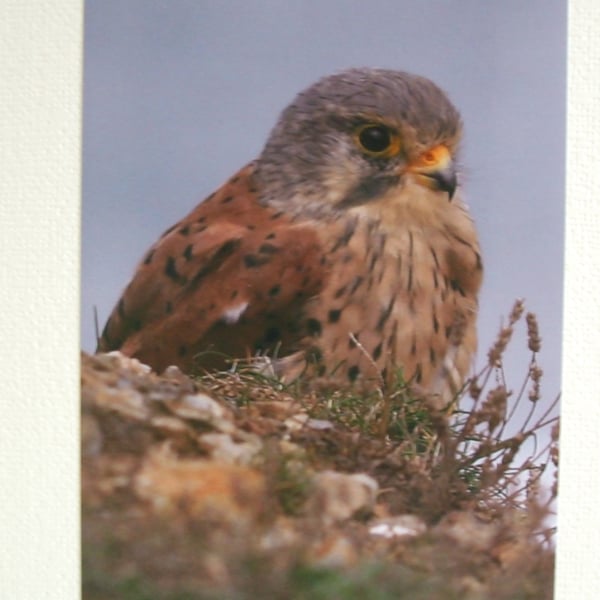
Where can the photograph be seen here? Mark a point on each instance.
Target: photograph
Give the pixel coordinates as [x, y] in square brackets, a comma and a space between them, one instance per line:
[322, 269]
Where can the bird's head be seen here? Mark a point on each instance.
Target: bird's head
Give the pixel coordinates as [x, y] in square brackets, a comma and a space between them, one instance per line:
[360, 136]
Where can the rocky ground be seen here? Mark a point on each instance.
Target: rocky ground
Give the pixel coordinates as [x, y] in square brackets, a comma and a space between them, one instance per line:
[235, 487]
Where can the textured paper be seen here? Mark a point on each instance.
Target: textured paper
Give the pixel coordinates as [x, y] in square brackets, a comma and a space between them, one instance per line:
[578, 541]
[40, 116]
[40, 104]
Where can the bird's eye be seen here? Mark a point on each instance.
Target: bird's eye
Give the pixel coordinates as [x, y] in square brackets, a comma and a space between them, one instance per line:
[377, 140]
[374, 139]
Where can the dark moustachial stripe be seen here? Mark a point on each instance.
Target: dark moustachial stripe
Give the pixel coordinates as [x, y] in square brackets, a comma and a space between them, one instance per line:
[367, 190]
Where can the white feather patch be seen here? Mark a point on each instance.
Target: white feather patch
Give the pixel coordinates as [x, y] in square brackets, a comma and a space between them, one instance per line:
[232, 315]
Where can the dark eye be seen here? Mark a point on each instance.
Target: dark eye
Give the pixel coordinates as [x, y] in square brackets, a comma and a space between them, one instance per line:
[377, 140]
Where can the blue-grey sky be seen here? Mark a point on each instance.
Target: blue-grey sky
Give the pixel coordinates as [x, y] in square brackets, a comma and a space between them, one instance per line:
[179, 94]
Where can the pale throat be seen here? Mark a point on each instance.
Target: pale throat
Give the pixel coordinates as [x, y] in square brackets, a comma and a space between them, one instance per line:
[407, 206]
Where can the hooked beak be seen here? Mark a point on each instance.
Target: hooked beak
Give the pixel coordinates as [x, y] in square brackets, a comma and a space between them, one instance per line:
[435, 169]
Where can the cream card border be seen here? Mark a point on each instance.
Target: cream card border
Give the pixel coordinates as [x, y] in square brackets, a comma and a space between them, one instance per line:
[40, 144]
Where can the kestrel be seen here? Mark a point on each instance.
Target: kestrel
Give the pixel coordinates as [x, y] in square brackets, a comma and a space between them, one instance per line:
[345, 250]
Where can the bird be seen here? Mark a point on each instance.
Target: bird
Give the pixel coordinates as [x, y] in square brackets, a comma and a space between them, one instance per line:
[344, 251]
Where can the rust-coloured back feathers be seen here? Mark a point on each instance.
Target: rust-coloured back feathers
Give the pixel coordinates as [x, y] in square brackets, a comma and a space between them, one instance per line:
[218, 285]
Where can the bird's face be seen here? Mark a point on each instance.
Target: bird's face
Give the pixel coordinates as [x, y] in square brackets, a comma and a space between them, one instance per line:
[359, 139]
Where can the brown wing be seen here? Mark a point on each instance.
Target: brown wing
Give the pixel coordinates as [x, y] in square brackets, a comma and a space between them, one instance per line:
[227, 281]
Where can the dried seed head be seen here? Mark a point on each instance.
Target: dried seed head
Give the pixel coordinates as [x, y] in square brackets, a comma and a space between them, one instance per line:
[474, 389]
[488, 474]
[509, 455]
[469, 425]
[485, 449]
[494, 407]
[554, 452]
[505, 334]
[517, 311]
[533, 484]
[517, 440]
[533, 335]
[535, 373]
[495, 353]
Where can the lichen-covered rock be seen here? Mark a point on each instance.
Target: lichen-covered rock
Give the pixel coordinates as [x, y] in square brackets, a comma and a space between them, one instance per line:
[230, 486]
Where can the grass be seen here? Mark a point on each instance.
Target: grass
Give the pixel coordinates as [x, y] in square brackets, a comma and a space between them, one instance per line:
[475, 475]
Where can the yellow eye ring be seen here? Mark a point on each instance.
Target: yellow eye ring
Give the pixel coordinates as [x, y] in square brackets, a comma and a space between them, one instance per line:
[377, 140]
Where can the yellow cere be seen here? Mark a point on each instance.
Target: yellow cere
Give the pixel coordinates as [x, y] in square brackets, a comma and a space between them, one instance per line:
[437, 156]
